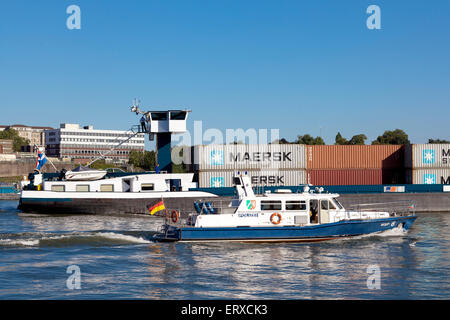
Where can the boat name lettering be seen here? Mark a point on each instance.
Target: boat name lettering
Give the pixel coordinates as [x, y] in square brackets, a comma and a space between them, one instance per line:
[261, 156]
[247, 215]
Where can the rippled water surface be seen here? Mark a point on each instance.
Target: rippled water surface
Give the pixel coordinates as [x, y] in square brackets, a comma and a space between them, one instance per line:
[118, 260]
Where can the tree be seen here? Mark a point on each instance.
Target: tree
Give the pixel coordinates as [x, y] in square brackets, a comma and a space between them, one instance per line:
[18, 141]
[309, 140]
[144, 160]
[339, 140]
[392, 137]
[282, 141]
[358, 139]
[437, 141]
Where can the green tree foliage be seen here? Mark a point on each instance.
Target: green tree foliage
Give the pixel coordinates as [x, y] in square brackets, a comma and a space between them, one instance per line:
[309, 140]
[145, 160]
[18, 141]
[437, 141]
[358, 139]
[339, 140]
[396, 136]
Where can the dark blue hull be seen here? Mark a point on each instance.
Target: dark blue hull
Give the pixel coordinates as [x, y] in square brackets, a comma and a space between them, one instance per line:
[321, 232]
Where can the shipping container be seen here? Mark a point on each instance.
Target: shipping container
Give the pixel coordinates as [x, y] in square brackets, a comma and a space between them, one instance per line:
[355, 157]
[249, 157]
[335, 177]
[224, 178]
[418, 156]
[428, 176]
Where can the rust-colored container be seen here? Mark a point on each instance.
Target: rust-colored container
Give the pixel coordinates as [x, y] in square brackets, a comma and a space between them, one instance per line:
[355, 157]
[333, 177]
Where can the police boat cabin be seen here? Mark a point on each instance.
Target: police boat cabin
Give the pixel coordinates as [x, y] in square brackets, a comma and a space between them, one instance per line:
[278, 217]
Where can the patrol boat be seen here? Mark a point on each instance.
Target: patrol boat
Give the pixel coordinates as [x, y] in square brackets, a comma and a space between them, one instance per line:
[281, 216]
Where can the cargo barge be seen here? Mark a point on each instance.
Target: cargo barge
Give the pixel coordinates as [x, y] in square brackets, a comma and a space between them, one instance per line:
[116, 193]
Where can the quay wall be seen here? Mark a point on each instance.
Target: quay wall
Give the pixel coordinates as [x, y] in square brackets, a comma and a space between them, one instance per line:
[22, 168]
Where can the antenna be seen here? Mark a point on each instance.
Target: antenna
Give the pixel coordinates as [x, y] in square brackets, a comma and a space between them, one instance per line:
[135, 106]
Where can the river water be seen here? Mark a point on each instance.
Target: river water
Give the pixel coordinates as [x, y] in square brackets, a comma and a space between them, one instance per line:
[104, 257]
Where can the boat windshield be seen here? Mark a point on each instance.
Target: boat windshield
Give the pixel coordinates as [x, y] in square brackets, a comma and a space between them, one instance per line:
[339, 205]
[81, 168]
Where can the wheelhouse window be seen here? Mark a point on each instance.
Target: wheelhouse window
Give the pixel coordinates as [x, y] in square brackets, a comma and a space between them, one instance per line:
[147, 187]
[58, 188]
[324, 204]
[331, 205]
[177, 115]
[270, 205]
[339, 205]
[82, 188]
[296, 205]
[107, 188]
[159, 115]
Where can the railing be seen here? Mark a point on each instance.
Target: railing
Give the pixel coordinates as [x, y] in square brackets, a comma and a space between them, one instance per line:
[400, 207]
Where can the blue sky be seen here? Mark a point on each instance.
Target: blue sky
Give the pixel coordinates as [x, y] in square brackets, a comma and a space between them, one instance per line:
[300, 66]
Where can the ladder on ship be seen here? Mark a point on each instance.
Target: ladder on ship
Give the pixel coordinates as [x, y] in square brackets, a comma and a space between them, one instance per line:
[135, 130]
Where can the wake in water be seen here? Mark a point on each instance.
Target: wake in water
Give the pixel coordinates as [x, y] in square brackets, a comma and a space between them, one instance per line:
[99, 238]
[396, 232]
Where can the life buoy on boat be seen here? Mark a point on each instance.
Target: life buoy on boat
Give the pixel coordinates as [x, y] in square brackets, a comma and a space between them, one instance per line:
[174, 216]
[275, 220]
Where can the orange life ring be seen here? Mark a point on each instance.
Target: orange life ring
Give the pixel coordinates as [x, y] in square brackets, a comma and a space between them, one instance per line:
[276, 214]
[175, 216]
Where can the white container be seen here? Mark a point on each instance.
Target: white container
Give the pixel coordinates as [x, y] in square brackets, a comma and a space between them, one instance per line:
[420, 156]
[242, 156]
[224, 178]
[428, 176]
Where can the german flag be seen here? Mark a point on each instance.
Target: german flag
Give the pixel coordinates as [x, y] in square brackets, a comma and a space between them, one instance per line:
[156, 208]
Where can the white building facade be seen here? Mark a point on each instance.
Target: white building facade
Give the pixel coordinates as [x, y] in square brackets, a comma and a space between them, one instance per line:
[71, 141]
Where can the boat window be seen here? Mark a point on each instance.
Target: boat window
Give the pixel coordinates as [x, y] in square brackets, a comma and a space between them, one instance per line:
[82, 188]
[332, 206]
[270, 205]
[338, 203]
[295, 205]
[58, 188]
[177, 115]
[147, 187]
[107, 188]
[159, 115]
[237, 181]
[324, 204]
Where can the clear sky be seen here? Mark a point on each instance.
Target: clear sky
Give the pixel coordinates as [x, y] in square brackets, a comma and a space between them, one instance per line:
[300, 66]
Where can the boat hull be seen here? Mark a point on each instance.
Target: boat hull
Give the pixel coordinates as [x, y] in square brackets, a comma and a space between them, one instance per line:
[310, 233]
[106, 203]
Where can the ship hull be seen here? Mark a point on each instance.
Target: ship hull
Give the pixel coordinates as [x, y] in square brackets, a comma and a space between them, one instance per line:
[310, 233]
[104, 203]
